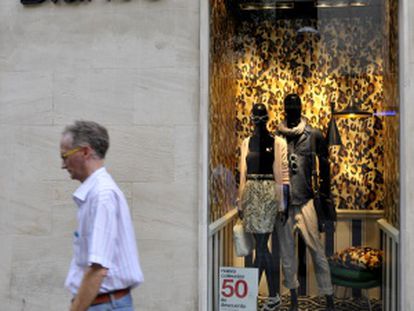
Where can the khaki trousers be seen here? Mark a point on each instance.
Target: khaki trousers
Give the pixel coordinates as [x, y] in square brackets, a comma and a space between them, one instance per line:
[304, 219]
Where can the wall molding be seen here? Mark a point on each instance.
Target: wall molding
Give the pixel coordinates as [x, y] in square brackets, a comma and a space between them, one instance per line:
[203, 208]
[406, 280]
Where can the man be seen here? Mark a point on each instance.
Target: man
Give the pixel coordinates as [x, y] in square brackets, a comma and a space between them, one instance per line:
[307, 151]
[105, 264]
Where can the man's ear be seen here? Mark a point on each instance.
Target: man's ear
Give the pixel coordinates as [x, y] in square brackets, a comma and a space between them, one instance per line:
[88, 152]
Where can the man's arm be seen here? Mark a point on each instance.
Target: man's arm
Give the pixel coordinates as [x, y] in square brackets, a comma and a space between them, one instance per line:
[91, 282]
[101, 244]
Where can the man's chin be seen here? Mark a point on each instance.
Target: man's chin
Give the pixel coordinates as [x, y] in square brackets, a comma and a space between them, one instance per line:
[73, 176]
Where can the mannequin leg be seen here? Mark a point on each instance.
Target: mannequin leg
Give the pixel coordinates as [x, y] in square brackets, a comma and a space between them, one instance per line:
[264, 262]
[330, 305]
[294, 303]
[285, 234]
[259, 261]
[308, 225]
[286, 237]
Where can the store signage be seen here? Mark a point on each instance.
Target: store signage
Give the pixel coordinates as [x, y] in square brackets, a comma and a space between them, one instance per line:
[238, 289]
[30, 2]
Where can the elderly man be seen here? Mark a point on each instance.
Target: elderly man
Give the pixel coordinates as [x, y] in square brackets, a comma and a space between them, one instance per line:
[105, 264]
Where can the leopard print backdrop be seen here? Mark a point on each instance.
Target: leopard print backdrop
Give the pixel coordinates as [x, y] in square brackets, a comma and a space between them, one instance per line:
[344, 63]
[391, 124]
[223, 139]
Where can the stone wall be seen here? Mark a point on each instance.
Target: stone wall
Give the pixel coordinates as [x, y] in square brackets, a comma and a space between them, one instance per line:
[134, 67]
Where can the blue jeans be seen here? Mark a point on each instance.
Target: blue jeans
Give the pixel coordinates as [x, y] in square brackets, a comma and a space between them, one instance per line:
[121, 304]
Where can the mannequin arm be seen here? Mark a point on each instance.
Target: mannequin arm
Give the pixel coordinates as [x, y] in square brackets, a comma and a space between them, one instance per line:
[242, 170]
[324, 169]
[322, 153]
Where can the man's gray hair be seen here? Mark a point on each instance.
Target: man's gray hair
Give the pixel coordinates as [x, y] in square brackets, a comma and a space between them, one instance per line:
[89, 133]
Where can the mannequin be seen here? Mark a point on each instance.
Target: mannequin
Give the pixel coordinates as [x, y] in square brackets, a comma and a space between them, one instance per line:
[305, 144]
[263, 171]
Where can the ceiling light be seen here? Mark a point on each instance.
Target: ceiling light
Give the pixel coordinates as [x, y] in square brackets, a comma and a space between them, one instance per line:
[285, 5]
[352, 111]
[340, 4]
[333, 3]
[359, 3]
[274, 5]
[323, 3]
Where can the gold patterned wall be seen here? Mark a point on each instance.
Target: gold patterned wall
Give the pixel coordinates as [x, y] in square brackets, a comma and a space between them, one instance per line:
[391, 123]
[223, 143]
[349, 61]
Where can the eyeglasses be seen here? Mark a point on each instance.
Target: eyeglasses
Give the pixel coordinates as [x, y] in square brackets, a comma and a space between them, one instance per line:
[255, 118]
[68, 153]
[293, 163]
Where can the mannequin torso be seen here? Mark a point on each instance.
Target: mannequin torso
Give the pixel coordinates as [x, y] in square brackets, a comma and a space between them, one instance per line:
[261, 154]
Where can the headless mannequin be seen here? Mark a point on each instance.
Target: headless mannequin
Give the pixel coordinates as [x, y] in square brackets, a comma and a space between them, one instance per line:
[260, 161]
[293, 112]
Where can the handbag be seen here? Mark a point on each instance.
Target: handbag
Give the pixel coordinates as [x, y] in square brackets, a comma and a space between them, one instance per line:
[243, 241]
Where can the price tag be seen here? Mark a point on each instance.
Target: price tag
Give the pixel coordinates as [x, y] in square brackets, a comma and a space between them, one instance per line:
[238, 289]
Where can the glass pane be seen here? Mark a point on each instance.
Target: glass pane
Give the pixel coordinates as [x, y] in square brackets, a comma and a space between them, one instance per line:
[304, 116]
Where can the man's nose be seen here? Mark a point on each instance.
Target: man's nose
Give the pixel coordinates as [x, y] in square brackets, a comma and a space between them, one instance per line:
[63, 166]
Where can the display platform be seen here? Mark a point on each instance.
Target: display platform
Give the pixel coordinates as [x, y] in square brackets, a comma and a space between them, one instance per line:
[341, 304]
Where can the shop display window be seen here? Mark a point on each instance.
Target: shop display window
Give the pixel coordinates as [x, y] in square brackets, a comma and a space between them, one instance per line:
[279, 69]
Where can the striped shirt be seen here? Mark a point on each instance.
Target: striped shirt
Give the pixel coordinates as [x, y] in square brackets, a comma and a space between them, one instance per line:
[104, 236]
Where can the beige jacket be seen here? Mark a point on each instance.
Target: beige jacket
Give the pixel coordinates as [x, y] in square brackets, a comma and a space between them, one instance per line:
[280, 167]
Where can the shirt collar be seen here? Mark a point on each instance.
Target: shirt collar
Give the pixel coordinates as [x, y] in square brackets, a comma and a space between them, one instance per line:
[82, 192]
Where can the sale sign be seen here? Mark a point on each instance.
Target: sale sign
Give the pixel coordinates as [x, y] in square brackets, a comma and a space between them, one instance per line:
[238, 289]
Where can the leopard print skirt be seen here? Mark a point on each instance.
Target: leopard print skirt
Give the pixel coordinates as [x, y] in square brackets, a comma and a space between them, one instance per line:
[259, 206]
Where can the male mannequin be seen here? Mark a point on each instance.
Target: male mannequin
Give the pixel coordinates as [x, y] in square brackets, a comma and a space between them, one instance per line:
[263, 171]
[303, 143]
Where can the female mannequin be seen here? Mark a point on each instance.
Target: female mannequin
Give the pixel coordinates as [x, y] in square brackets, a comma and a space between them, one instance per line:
[263, 171]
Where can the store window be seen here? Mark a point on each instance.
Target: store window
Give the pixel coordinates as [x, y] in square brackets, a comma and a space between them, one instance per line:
[303, 152]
